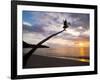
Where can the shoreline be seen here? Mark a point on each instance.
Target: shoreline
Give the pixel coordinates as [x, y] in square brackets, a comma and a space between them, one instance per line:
[37, 61]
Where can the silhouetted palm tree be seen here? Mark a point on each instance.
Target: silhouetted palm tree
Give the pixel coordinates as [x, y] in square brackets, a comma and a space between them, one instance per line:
[26, 56]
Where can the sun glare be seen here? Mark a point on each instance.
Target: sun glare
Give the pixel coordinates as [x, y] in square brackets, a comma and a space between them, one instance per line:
[81, 44]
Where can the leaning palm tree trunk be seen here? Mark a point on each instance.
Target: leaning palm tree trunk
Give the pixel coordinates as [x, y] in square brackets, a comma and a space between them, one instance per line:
[26, 56]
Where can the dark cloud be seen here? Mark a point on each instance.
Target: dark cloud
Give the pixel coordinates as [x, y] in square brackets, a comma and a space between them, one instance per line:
[79, 19]
[37, 28]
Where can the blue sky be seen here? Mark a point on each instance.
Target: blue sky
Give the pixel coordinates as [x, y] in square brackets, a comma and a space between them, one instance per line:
[39, 25]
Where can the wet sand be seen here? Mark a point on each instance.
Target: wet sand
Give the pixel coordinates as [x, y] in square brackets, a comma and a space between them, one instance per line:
[37, 61]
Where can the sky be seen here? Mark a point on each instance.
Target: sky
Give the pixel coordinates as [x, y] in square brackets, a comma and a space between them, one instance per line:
[37, 25]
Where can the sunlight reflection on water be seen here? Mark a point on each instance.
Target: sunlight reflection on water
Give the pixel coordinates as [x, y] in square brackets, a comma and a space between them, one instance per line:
[84, 60]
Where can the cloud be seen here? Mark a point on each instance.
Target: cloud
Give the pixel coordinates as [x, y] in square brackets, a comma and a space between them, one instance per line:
[33, 37]
[73, 32]
[79, 19]
[59, 42]
[32, 28]
[44, 24]
[86, 33]
[27, 24]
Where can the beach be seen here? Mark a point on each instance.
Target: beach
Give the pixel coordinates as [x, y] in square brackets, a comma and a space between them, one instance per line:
[37, 61]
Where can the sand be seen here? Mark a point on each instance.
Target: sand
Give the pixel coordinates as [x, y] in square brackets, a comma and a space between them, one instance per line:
[37, 61]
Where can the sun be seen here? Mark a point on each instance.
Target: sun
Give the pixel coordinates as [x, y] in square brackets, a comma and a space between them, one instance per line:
[81, 44]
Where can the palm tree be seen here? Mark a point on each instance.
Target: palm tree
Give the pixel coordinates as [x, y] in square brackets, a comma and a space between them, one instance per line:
[26, 57]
